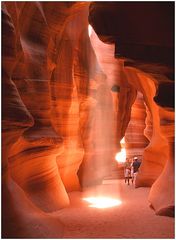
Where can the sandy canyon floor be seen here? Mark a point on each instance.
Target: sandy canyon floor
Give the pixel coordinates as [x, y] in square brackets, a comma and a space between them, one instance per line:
[133, 218]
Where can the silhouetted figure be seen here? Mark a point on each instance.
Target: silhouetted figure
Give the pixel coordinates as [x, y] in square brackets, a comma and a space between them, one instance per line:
[127, 175]
[135, 166]
[127, 171]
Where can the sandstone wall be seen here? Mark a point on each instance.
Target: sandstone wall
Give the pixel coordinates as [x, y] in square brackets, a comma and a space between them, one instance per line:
[145, 56]
[61, 121]
[54, 96]
[20, 216]
[135, 140]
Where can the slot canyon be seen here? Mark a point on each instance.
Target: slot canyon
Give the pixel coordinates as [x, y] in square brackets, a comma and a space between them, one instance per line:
[82, 82]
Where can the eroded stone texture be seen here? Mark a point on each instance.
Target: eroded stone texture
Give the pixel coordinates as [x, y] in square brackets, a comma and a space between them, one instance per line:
[60, 92]
[146, 54]
[61, 112]
[19, 216]
[97, 115]
[65, 100]
[32, 159]
[155, 154]
[122, 93]
[135, 140]
[164, 185]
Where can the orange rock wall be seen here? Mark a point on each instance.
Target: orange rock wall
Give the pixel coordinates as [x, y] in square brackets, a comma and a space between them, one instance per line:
[146, 58]
[20, 216]
[157, 166]
[54, 95]
[135, 140]
[61, 123]
[164, 185]
[156, 153]
[128, 107]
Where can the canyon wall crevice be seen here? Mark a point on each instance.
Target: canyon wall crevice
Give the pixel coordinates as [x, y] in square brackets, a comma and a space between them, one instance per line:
[62, 122]
[32, 183]
[145, 55]
[54, 98]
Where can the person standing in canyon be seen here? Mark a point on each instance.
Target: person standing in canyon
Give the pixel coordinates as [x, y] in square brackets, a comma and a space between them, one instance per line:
[127, 171]
[135, 166]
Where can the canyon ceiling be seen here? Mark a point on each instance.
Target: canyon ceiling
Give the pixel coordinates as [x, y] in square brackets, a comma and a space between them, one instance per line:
[67, 102]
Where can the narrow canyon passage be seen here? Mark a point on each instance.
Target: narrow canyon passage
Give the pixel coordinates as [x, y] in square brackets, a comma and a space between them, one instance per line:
[131, 219]
[87, 95]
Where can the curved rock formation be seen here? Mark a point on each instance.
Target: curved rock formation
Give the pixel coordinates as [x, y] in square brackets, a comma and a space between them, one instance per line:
[146, 58]
[95, 106]
[135, 140]
[32, 159]
[60, 93]
[164, 185]
[67, 103]
[155, 154]
[19, 215]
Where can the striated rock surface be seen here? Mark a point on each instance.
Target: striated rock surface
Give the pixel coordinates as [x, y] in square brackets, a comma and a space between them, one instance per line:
[123, 95]
[164, 185]
[155, 154]
[99, 127]
[33, 156]
[145, 54]
[95, 107]
[67, 103]
[135, 140]
[56, 104]
[19, 216]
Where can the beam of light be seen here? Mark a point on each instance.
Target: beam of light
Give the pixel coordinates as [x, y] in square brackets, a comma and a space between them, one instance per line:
[122, 141]
[89, 30]
[102, 202]
[121, 156]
